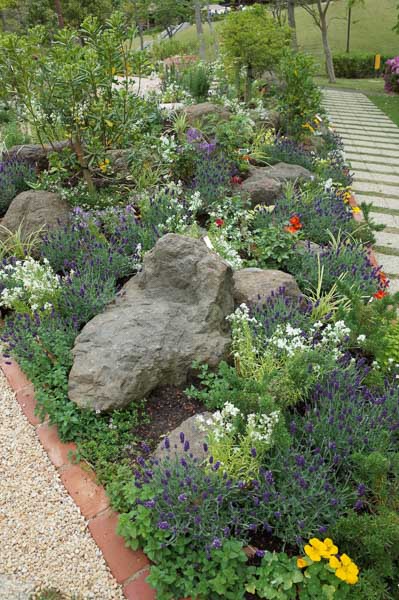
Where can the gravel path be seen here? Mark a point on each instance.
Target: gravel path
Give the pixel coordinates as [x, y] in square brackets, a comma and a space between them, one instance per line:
[44, 541]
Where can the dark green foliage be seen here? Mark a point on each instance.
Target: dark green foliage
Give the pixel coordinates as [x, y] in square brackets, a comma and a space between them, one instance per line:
[357, 65]
[372, 541]
[247, 394]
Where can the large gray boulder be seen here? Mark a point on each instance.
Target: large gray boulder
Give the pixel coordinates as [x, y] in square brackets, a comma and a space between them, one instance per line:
[251, 286]
[260, 187]
[286, 172]
[35, 210]
[172, 313]
[200, 113]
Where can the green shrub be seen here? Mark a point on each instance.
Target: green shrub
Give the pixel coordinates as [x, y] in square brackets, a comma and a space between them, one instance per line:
[173, 47]
[357, 65]
[373, 541]
[299, 98]
[253, 41]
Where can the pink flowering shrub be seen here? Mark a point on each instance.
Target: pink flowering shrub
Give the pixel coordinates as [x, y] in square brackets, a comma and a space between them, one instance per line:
[391, 75]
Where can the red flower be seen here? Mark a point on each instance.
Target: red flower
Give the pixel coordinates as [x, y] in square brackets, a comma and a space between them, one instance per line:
[295, 225]
[219, 222]
[236, 179]
[380, 294]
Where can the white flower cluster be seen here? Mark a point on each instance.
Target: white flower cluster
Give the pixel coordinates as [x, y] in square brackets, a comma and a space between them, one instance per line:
[260, 427]
[241, 315]
[173, 92]
[289, 339]
[225, 249]
[222, 424]
[28, 282]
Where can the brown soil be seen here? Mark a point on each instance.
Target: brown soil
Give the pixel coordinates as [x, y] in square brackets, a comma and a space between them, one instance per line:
[164, 410]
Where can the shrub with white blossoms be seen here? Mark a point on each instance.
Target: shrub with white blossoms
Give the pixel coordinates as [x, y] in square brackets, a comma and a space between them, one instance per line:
[29, 285]
[244, 347]
[289, 340]
[237, 444]
[225, 249]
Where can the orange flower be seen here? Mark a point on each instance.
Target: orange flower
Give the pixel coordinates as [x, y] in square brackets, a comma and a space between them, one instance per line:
[383, 279]
[246, 157]
[295, 225]
[380, 294]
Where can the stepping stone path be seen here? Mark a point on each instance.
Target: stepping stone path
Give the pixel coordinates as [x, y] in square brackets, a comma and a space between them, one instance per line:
[371, 142]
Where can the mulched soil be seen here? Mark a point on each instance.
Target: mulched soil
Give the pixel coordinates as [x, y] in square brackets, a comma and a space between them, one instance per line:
[165, 409]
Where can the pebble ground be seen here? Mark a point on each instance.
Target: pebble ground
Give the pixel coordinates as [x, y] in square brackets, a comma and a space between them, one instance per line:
[44, 540]
[371, 142]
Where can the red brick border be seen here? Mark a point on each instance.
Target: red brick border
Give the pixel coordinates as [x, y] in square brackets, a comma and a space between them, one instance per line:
[130, 568]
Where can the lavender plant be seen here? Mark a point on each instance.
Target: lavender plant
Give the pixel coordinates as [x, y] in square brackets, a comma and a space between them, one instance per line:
[14, 178]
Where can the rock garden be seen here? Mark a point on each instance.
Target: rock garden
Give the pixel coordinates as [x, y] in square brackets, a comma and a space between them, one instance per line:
[188, 283]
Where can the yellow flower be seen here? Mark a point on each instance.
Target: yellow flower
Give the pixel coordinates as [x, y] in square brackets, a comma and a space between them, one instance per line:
[356, 209]
[301, 563]
[347, 570]
[314, 549]
[334, 562]
[329, 548]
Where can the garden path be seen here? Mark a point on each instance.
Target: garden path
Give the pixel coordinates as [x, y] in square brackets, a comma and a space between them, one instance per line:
[371, 143]
[44, 540]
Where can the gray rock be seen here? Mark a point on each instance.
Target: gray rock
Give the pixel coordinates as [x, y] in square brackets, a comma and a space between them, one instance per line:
[198, 113]
[172, 313]
[252, 286]
[260, 187]
[192, 433]
[309, 246]
[36, 153]
[119, 160]
[286, 172]
[35, 210]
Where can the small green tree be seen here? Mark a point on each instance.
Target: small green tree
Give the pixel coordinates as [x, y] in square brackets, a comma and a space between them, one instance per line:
[68, 89]
[168, 13]
[299, 98]
[252, 40]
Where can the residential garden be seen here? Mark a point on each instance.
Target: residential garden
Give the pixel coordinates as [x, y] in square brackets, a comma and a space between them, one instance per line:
[190, 286]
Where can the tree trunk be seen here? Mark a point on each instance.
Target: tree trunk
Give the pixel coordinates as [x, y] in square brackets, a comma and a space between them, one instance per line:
[248, 83]
[212, 30]
[140, 27]
[327, 50]
[58, 10]
[200, 31]
[292, 24]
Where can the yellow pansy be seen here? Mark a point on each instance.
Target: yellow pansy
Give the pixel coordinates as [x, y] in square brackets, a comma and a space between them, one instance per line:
[347, 570]
[356, 209]
[329, 548]
[301, 563]
[334, 562]
[314, 549]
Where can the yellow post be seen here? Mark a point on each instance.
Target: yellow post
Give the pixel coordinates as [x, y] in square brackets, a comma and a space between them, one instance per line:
[377, 62]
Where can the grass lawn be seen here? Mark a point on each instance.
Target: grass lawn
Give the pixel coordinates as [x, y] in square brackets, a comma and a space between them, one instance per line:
[371, 30]
[373, 88]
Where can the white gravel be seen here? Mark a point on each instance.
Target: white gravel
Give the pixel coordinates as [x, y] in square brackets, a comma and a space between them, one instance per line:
[44, 539]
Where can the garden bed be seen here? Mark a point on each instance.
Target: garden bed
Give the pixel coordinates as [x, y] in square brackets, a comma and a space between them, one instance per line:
[210, 268]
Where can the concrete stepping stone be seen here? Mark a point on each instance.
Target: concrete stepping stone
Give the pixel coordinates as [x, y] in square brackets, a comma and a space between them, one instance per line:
[371, 143]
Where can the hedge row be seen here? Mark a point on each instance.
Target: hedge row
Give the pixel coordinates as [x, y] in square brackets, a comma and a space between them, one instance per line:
[357, 66]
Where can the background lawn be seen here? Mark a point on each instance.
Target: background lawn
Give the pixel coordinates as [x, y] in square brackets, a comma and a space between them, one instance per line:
[371, 30]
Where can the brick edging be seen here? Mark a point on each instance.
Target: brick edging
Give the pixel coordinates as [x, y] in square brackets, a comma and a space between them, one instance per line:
[130, 568]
